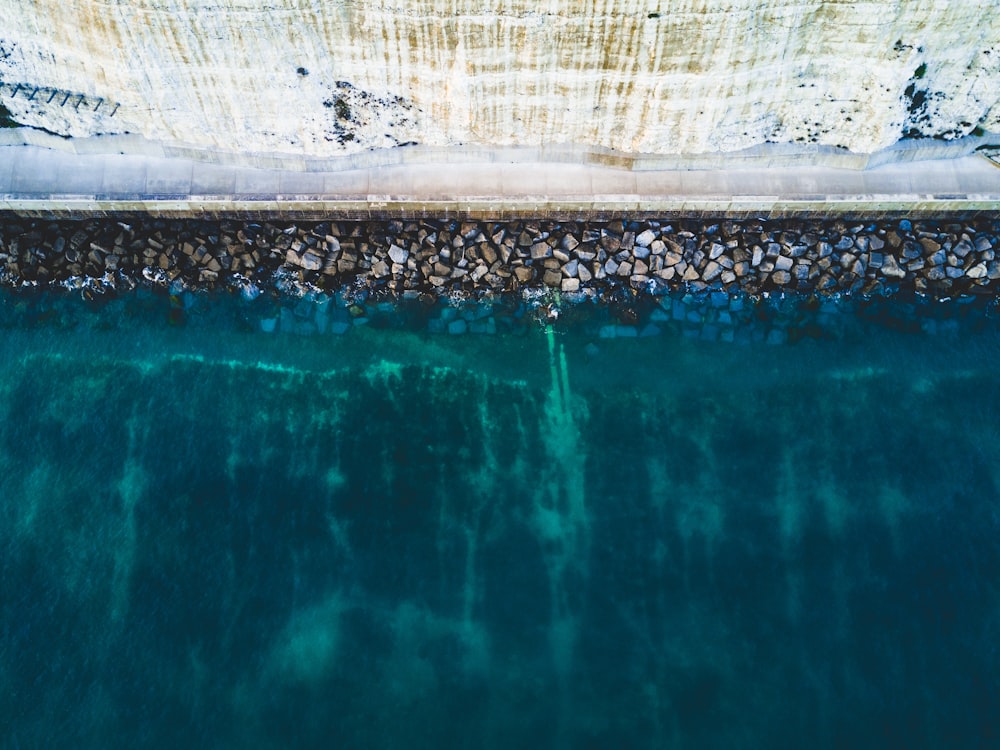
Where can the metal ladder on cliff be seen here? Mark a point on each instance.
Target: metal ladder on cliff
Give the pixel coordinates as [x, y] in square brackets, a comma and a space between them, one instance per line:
[32, 92]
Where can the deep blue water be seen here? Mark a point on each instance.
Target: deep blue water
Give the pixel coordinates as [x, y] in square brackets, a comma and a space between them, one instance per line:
[759, 525]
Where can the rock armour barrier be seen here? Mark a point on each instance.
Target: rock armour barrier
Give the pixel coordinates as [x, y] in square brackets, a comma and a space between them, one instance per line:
[456, 259]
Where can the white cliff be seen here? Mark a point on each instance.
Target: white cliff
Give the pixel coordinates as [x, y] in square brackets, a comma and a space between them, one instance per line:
[323, 77]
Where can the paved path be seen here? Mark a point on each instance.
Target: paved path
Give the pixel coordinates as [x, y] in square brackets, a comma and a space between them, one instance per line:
[42, 181]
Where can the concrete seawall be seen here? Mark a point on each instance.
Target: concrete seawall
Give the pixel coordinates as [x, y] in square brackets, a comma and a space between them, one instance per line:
[42, 182]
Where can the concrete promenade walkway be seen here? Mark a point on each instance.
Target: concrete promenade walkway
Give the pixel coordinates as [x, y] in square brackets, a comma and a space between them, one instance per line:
[40, 181]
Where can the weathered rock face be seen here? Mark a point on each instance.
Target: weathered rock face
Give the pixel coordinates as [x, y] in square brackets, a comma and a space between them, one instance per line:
[641, 76]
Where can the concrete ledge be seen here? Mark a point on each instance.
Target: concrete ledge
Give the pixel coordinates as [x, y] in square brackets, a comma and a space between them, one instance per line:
[43, 182]
[495, 210]
[768, 155]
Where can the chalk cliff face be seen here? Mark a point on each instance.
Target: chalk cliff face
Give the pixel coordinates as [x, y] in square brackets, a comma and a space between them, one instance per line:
[641, 76]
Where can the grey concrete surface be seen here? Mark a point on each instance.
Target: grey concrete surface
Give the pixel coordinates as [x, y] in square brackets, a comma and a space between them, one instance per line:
[41, 180]
[762, 155]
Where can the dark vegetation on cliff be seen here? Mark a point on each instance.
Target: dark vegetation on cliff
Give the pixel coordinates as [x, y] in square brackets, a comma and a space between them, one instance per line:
[6, 121]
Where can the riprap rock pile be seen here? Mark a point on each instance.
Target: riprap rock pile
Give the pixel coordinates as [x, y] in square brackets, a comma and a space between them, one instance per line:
[455, 259]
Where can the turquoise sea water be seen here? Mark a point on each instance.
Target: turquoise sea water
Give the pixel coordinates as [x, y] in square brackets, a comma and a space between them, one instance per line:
[550, 536]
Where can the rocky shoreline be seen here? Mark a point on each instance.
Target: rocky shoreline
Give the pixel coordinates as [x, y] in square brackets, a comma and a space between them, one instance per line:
[452, 259]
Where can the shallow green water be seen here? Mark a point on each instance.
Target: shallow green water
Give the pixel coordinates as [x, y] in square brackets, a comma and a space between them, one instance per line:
[215, 537]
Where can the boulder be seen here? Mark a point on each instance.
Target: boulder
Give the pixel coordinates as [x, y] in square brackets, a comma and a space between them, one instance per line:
[977, 271]
[610, 242]
[667, 273]
[783, 263]
[929, 245]
[540, 250]
[552, 278]
[398, 254]
[962, 248]
[712, 270]
[645, 239]
[524, 274]
[671, 258]
[311, 261]
[890, 267]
